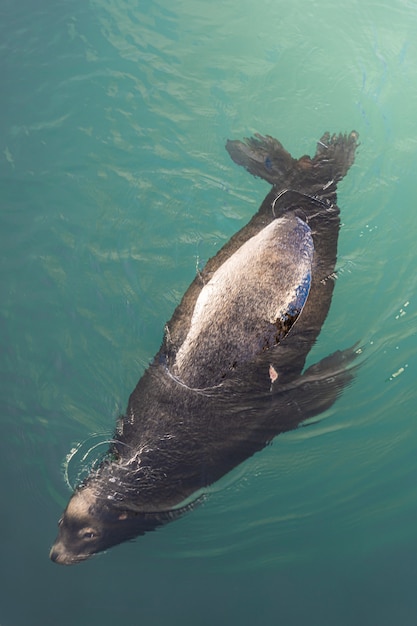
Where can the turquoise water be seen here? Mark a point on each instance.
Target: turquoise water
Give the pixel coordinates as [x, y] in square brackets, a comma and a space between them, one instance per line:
[115, 185]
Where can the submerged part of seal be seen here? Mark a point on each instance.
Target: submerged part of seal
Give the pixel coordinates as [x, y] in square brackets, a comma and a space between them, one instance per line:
[229, 374]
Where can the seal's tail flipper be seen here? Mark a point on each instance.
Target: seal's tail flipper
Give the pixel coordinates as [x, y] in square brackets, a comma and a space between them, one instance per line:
[265, 157]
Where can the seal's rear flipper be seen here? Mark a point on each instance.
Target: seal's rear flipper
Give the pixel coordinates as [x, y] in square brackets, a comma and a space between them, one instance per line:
[334, 156]
[262, 156]
[265, 157]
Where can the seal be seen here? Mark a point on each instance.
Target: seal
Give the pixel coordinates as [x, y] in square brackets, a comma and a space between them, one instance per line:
[229, 375]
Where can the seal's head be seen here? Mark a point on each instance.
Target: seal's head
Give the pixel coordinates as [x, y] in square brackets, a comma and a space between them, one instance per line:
[80, 531]
[89, 525]
[93, 522]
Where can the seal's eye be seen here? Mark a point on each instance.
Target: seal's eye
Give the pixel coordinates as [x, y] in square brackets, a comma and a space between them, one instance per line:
[87, 533]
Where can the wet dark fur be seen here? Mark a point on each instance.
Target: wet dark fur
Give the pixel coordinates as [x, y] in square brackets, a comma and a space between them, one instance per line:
[177, 438]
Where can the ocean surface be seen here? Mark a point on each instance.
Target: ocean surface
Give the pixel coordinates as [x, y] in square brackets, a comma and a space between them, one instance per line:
[115, 188]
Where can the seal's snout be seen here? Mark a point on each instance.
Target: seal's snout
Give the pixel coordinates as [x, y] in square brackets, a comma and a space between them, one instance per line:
[59, 555]
[54, 555]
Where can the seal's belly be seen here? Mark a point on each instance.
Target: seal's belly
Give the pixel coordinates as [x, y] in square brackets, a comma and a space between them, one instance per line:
[249, 304]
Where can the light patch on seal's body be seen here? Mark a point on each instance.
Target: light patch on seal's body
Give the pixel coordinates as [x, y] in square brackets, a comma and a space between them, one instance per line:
[249, 304]
[273, 374]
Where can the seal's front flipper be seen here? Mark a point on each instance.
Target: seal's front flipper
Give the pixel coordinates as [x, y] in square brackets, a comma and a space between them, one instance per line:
[319, 387]
[262, 156]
